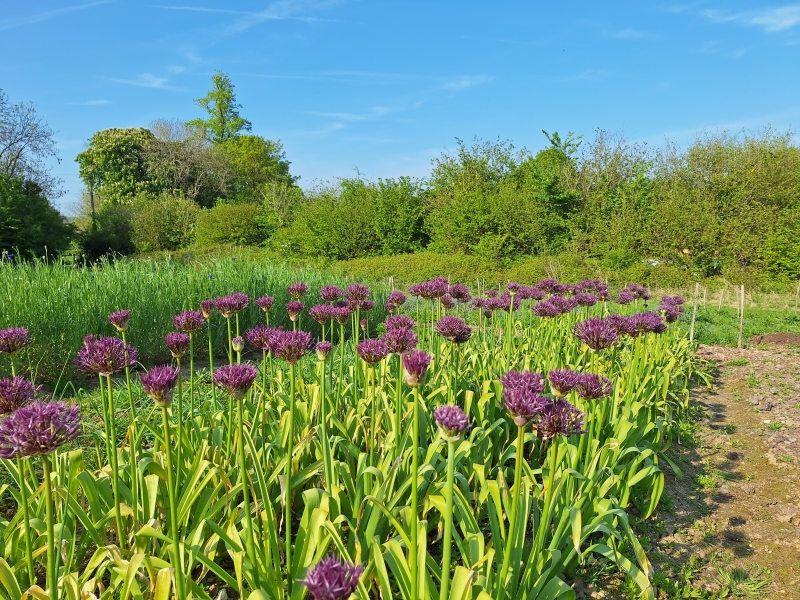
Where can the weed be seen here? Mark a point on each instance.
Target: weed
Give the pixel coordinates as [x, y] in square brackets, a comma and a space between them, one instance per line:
[738, 582]
[753, 381]
[775, 426]
[737, 362]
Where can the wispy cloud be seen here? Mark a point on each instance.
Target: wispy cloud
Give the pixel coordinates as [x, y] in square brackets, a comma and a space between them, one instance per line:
[768, 19]
[715, 47]
[373, 114]
[464, 82]
[148, 80]
[590, 75]
[46, 15]
[91, 103]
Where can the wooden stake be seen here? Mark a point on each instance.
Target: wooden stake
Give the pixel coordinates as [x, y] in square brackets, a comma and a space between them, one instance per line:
[705, 293]
[741, 316]
[721, 296]
[796, 297]
[694, 311]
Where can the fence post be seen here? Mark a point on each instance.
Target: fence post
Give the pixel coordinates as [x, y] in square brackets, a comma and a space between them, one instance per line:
[694, 311]
[741, 316]
[722, 295]
[796, 296]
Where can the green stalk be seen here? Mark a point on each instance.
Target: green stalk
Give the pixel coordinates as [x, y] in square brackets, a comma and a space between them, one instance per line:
[327, 464]
[52, 568]
[133, 463]
[211, 366]
[230, 342]
[398, 401]
[341, 364]
[414, 498]
[178, 449]
[444, 594]
[512, 522]
[373, 401]
[26, 527]
[191, 375]
[264, 395]
[249, 539]
[180, 588]
[288, 477]
[114, 462]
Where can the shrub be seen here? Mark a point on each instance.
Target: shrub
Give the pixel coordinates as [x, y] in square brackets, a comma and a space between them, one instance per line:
[228, 224]
[163, 222]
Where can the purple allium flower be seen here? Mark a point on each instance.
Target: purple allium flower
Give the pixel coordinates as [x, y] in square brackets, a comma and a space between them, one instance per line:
[357, 292]
[649, 322]
[530, 293]
[513, 287]
[460, 292]
[321, 313]
[341, 314]
[15, 392]
[363, 324]
[38, 428]
[415, 367]
[396, 299]
[564, 305]
[546, 285]
[447, 301]
[238, 343]
[261, 337]
[399, 341]
[509, 302]
[332, 579]
[452, 421]
[561, 289]
[297, 290]
[638, 292]
[585, 299]
[453, 329]
[372, 351]
[231, 304]
[235, 380]
[528, 380]
[560, 418]
[294, 308]
[670, 312]
[562, 382]
[625, 297]
[623, 325]
[331, 293]
[105, 355]
[207, 307]
[592, 387]
[596, 333]
[438, 287]
[493, 304]
[177, 342]
[189, 321]
[265, 303]
[323, 350]
[119, 319]
[491, 293]
[13, 339]
[367, 305]
[291, 345]
[478, 303]
[399, 322]
[545, 310]
[675, 300]
[416, 290]
[159, 383]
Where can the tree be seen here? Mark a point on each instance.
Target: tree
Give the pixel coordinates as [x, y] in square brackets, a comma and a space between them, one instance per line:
[223, 122]
[255, 162]
[25, 142]
[28, 222]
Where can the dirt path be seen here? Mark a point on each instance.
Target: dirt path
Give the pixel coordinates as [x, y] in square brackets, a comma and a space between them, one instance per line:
[730, 526]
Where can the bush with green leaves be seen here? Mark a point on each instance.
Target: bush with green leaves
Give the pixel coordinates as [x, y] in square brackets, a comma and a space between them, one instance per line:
[228, 224]
[162, 222]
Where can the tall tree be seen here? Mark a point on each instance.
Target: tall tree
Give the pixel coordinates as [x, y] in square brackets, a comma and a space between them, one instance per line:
[223, 122]
[26, 141]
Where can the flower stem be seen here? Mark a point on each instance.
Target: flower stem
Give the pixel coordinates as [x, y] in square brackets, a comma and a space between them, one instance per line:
[249, 538]
[398, 401]
[132, 441]
[448, 523]
[180, 588]
[211, 366]
[52, 569]
[288, 477]
[414, 498]
[512, 522]
[179, 445]
[114, 462]
[23, 489]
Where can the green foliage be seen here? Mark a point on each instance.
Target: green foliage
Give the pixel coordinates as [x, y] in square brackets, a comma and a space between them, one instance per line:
[780, 254]
[228, 224]
[110, 235]
[28, 222]
[115, 164]
[223, 122]
[399, 215]
[256, 163]
[162, 222]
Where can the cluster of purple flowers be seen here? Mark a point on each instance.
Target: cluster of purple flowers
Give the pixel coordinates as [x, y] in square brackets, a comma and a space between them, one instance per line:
[235, 380]
[453, 329]
[261, 337]
[105, 355]
[321, 313]
[188, 321]
[13, 340]
[294, 308]
[452, 421]
[395, 300]
[399, 339]
[588, 385]
[38, 428]
[672, 308]
[415, 367]
[331, 293]
[332, 579]
[119, 319]
[177, 343]
[15, 392]
[372, 351]
[265, 303]
[432, 289]
[631, 292]
[231, 304]
[596, 333]
[297, 290]
[159, 384]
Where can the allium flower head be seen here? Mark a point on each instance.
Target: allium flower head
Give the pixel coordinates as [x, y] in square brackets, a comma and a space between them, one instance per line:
[207, 307]
[105, 355]
[447, 301]
[509, 302]
[13, 339]
[357, 292]
[38, 428]
[639, 292]
[528, 380]
[235, 380]
[522, 395]
[159, 383]
[367, 305]
[261, 337]
[341, 314]
[231, 304]
[585, 299]
[415, 367]
[670, 312]
[564, 305]
[189, 321]
[291, 346]
[545, 310]
[331, 293]
[332, 579]
[493, 304]
[562, 382]
[372, 351]
[560, 418]
[452, 421]
[265, 303]
[592, 387]
[596, 333]
[363, 324]
[297, 290]
[119, 319]
[460, 292]
[491, 293]
[675, 300]
[400, 322]
[177, 343]
[513, 287]
[546, 285]
[453, 329]
[416, 290]
[438, 287]
[294, 308]
[530, 293]
[648, 322]
[625, 297]
[323, 350]
[238, 343]
[399, 341]
[15, 392]
[396, 299]
[478, 303]
[321, 313]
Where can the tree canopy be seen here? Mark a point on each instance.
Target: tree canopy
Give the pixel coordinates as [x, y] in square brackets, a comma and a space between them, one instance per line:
[223, 122]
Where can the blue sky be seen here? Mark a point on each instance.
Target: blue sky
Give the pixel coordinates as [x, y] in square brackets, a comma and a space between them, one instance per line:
[384, 87]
